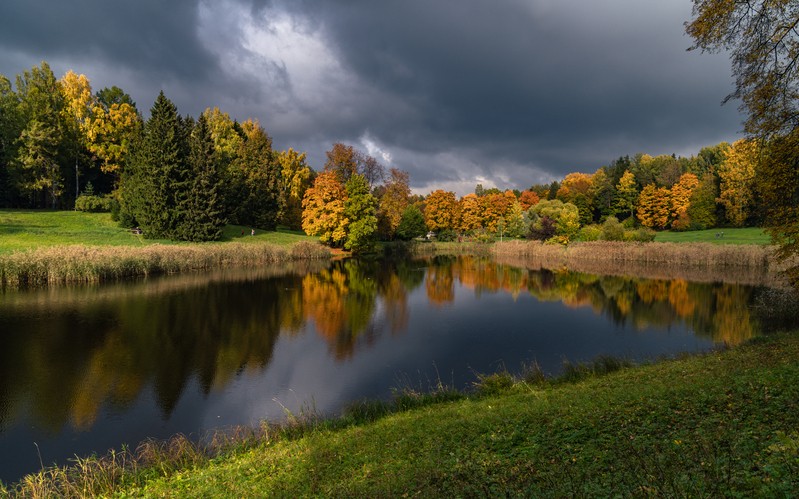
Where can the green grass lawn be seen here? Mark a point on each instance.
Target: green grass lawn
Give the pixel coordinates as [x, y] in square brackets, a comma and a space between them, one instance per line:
[30, 229]
[746, 235]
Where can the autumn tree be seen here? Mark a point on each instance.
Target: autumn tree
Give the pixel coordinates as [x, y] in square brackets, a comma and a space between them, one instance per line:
[441, 210]
[395, 199]
[470, 211]
[342, 160]
[627, 194]
[737, 176]
[77, 110]
[494, 208]
[111, 129]
[681, 201]
[323, 209]
[296, 178]
[527, 199]
[654, 207]
[564, 216]
[762, 39]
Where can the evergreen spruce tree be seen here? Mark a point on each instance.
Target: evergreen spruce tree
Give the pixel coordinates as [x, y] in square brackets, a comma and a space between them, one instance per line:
[202, 217]
[156, 173]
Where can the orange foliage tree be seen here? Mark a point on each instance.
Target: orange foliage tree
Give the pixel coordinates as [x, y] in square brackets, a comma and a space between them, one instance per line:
[654, 207]
[681, 200]
[323, 209]
[528, 199]
[441, 210]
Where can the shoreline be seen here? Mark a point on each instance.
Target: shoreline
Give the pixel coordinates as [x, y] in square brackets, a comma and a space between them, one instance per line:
[577, 430]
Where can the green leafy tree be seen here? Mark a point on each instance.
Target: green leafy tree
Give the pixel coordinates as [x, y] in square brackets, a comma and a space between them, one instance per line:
[360, 209]
[411, 224]
[10, 128]
[41, 146]
[702, 208]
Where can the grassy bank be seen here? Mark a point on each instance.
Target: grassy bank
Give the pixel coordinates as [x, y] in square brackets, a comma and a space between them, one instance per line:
[745, 235]
[24, 230]
[39, 248]
[719, 424]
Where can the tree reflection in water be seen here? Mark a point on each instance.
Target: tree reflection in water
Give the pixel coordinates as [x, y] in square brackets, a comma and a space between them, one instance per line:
[69, 352]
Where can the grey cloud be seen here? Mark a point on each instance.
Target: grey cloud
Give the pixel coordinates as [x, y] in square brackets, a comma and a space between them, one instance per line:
[512, 90]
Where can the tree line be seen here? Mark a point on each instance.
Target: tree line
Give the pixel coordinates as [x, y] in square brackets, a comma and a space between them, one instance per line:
[177, 177]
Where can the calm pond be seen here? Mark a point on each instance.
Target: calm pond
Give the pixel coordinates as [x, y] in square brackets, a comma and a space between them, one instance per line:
[87, 369]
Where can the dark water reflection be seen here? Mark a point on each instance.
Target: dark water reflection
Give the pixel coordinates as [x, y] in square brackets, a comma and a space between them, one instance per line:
[83, 370]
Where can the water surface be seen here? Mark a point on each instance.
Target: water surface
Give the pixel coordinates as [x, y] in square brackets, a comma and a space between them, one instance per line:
[87, 369]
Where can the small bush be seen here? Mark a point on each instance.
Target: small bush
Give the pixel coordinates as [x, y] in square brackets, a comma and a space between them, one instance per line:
[642, 235]
[612, 230]
[93, 204]
[589, 233]
[447, 236]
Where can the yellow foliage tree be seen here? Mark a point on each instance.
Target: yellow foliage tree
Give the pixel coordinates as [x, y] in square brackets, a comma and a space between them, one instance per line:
[737, 175]
[654, 207]
[470, 213]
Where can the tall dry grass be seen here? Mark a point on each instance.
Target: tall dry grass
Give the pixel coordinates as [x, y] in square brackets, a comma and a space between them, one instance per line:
[744, 264]
[89, 264]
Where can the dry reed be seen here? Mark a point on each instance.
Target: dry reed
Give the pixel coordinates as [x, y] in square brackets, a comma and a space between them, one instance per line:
[89, 264]
[744, 264]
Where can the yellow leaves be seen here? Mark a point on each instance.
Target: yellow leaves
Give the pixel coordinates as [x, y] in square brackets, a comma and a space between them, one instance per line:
[109, 132]
[574, 184]
[737, 175]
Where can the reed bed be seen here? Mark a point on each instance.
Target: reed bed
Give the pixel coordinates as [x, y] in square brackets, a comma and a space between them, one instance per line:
[92, 264]
[743, 264]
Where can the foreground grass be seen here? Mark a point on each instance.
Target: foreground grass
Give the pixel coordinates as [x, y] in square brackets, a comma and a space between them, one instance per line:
[720, 424]
[23, 230]
[746, 235]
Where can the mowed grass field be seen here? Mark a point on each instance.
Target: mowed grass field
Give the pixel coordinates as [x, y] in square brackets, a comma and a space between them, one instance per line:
[746, 235]
[22, 230]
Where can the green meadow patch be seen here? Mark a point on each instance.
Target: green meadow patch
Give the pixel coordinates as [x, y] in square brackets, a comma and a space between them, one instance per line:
[22, 230]
[746, 235]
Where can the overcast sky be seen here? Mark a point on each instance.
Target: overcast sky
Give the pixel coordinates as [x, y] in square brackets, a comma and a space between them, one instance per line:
[506, 93]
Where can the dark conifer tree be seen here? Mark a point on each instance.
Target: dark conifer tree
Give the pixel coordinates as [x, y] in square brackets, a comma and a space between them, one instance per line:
[202, 211]
[156, 172]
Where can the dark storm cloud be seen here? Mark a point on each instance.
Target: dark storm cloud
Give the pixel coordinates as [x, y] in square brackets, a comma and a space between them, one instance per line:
[151, 36]
[512, 92]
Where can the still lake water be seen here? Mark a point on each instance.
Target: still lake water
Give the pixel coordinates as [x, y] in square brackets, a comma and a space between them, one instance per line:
[87, 369]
